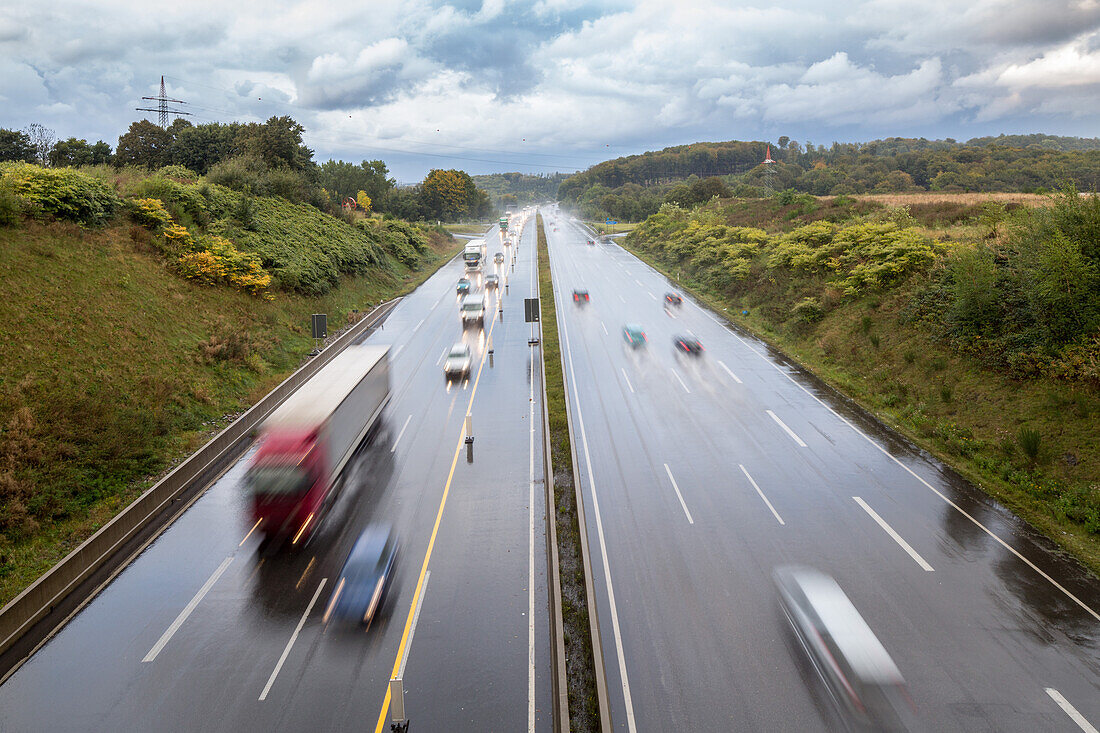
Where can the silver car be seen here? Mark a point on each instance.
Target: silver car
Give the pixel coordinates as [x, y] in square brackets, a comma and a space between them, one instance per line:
[858, 672]
[473, 310]
[458, 363]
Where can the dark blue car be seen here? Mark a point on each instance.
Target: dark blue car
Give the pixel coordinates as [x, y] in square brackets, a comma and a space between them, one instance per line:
[361, 589]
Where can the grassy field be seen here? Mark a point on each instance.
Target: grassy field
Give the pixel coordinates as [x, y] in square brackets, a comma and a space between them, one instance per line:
[1034, 444]
[113, 368]
[620, 228]
[466, 228]
[584, 713]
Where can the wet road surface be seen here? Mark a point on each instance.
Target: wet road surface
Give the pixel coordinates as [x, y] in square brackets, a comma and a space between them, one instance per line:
[701, 475]
[211, 629]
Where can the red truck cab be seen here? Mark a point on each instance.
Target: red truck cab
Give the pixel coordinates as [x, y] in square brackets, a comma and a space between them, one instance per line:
[288, 482]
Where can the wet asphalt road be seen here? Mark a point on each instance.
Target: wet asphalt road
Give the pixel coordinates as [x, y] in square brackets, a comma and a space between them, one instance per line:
[471, 664]
[702, 475]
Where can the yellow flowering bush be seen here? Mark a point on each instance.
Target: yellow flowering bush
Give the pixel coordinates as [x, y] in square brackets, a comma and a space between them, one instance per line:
[216, 260]
[177, 238]
[150, 213]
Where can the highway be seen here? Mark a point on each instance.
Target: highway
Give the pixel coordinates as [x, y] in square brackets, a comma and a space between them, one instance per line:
[700, 476]
[209, 629]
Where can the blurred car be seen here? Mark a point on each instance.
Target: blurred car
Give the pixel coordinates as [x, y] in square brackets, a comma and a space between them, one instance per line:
[673, 299]
[367, 573]
[498, 258]
[473, 310]
[634, 336]
[688, 345]
[492, 281]
[463, 286]
[459, 360]
[847, 655]
[580, 296]
[591, 242]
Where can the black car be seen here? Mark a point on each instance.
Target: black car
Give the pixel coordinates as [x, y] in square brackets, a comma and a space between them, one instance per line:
[688, 345]
[580, 296]
[673, 299]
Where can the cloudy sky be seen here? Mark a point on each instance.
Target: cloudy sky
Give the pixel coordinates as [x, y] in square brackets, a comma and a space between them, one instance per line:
[550, 85]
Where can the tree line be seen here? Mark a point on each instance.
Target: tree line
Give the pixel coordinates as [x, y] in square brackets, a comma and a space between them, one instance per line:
[263, 159]
[634, 187]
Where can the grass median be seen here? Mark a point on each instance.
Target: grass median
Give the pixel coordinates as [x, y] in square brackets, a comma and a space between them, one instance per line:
[584, 712]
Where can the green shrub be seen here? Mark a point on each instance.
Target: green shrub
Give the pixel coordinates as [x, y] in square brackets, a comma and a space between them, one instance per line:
[179, 172]
[874, 338]
[10, 209]
[1030, 441]
[62, 192]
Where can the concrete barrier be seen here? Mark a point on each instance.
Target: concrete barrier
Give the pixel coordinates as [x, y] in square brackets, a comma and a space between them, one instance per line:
[57, 586]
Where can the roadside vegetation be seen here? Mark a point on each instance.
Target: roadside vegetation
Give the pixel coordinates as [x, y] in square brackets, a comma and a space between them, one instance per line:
[973, 326]
[143, 311]
[584, 712]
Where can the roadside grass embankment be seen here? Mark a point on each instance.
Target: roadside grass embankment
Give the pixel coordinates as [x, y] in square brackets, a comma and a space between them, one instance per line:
[946, 339]
[113, 368]
[584, 712]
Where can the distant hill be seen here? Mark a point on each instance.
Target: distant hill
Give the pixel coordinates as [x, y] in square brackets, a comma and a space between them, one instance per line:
[633, 187]
[512, 189]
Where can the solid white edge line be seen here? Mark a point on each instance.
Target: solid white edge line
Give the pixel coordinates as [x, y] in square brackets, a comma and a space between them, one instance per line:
[392, 449]
[627, 701]
[1071, 711]
[416, 618]
[897, 537]
[754, 485]
[191, 606]
[678, 494]
[531, 568]
[680, 381]
[783, 425]
[293, 638]
[628, 384]
[735, 377]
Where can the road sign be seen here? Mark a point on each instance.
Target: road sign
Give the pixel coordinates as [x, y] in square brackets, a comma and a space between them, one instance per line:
[531, 310]
[319, 324]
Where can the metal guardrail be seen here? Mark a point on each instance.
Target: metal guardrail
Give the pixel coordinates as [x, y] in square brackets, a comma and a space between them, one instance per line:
[27, 611]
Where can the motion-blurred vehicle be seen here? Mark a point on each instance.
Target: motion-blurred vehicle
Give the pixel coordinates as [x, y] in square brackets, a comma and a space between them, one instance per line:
[492, 281]
[580, 296]
[591, 242]
[473, 310]
[687, 345]
[860, 675]
[463, 286]
[673, 299]
[306, 442]
[361, 589]
[459, 360]
[634, 336]
[474, 254]
[498, 258]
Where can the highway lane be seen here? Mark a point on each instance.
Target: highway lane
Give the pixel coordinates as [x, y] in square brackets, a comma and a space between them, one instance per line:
[478, 656]
[709, 473]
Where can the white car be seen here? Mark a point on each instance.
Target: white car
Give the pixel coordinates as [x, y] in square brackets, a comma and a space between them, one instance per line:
[458, 362]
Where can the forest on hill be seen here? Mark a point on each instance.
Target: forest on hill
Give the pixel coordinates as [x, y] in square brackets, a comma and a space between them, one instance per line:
[519, 189]
[634, 187]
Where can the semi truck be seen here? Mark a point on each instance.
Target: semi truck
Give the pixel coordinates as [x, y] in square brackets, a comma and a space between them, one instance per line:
[503, 223]
[474, 254]
[306, 442]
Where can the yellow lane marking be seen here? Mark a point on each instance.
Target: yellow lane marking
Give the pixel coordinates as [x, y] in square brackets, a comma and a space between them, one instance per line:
[431, 543]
